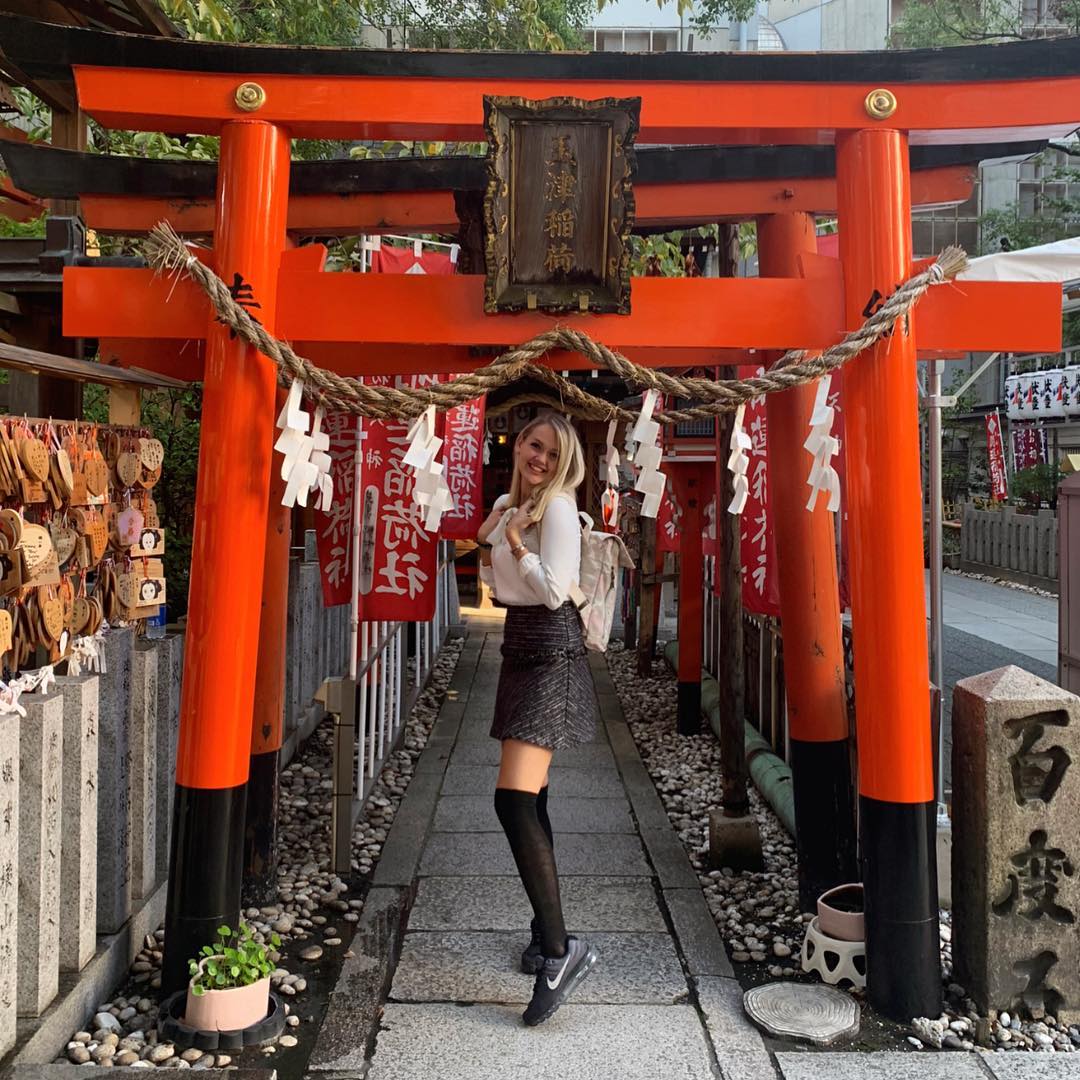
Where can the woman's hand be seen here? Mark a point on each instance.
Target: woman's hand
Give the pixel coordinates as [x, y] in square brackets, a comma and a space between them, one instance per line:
[521, 520]
[488, 526]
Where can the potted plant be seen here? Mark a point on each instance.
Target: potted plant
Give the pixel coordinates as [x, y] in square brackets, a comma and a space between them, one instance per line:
[840, 913]
[229, 988]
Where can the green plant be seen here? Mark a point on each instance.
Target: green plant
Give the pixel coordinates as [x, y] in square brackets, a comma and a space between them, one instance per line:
[1031, 488]
[234, 959]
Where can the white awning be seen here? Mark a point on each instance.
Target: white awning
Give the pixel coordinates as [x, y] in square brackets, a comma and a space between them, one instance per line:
[1059, 261]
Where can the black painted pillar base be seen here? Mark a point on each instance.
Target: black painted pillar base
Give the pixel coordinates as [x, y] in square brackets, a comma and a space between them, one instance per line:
[689, 708]
[205, 869]
[260, 830]
[824, 818]
[898, 852]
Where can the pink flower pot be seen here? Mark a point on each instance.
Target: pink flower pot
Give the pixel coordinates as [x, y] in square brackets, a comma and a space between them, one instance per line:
[840, 913]
[233, 1009]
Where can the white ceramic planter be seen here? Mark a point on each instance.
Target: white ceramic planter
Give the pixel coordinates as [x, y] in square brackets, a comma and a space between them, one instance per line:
[232, 1009]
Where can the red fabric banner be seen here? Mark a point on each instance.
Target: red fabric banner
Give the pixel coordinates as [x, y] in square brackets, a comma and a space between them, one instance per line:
[667, 521]
[761, 593]
[463, 457]
[403, 260]
[334, 528]
[1029, 447]
[995, 451]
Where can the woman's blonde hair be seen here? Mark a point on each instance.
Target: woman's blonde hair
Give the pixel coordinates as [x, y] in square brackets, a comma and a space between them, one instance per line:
[569, 469]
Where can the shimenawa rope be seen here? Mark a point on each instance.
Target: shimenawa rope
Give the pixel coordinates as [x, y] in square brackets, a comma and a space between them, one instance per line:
[167, 253]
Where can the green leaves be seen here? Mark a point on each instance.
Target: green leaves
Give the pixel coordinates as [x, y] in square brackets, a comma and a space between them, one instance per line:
[237, 958]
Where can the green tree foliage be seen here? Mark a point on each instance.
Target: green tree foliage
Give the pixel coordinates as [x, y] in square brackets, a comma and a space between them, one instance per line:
[707, 16]
[930, 23]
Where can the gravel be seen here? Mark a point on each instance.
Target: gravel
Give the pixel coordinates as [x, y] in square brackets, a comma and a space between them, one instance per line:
[124, 1030]
[757, 913]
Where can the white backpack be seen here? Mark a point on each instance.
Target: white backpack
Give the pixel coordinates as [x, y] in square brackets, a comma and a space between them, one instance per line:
[603, 555]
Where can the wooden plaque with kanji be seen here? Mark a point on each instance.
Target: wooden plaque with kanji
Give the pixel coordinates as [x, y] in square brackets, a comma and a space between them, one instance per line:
[560, 204]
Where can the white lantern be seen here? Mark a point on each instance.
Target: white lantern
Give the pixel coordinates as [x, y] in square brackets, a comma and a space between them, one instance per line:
[1053, 398]
[1026, 397]
[1072, 390]
[1012, 397]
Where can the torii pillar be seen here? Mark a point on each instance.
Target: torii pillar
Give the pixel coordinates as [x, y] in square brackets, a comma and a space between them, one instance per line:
[897, 811]
[221, 652]
[809, 611]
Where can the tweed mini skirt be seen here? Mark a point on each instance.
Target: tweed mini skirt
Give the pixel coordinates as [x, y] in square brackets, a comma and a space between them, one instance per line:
[545, 693]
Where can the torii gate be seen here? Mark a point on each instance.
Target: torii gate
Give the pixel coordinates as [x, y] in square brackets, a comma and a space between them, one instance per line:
[258, 98]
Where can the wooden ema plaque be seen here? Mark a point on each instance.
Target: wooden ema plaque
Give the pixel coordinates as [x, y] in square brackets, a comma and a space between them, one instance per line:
[560, 204]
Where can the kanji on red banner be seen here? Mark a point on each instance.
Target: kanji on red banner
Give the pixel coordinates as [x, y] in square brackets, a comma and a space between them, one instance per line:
[995, 450]
[464, 461]
[761, 592]
[334, 528]
[397, 556]
[1029, 447]
[667, 522]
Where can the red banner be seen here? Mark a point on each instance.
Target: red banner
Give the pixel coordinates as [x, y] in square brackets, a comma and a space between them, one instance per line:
[758, 540]
[667, 521]
[334, 528]
[463, 456]
[1029, 447]
[404, 260]
[995, 451]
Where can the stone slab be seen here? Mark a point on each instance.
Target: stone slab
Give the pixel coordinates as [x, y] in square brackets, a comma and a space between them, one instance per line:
[114, 795]
[486, 854]
[1020, 1066]
[582, 1042]
[882, 1065]
[9, 876]
[144, 762]
[699, 940]
[669, 858]
[170, 651]
[1016, 798]
[755, 1066]
[476, 813]
[729, 1028]
[78, 852]
[580, 783]
[633, 969]
[586, 756]
[70, 1072]
[400, 859]
[499, 903]
[41, 762]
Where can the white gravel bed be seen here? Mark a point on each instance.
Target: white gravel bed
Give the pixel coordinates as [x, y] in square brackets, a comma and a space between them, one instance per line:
[311, 900]
[758, 914]
[1018, 586]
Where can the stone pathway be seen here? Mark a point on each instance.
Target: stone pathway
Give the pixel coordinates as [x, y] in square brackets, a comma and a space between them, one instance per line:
[663, 1000]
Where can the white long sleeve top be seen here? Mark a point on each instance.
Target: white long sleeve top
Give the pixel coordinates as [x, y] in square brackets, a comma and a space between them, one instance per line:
[552, 565]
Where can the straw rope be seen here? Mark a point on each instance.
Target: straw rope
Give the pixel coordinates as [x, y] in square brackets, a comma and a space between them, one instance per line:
[168, 254]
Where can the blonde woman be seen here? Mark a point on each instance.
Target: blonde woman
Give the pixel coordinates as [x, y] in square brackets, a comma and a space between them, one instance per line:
[531, 556]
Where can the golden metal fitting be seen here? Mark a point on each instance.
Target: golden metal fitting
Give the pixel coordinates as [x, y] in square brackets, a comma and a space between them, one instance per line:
[880, 104]
[250, 96]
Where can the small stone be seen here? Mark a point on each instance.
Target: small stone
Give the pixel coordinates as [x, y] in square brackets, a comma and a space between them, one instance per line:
[740, 957]
[1042, 1038]
[287, 990]
[192, 1055]
[757, 956]
[161, 1052]
[312, 952]
[952, 1042]
[222, 1061]
[141, 1065]
[105, 1021]
[78, 1055]
[292, 1021]
[82, 1037]
[300, 985]
[127, 1014]
[780, 949]
[126, 1057]
[914, 1042]
[332, 941]
[288, 1040]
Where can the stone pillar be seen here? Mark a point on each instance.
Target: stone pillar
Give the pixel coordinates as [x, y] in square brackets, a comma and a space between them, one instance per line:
[78, 850]
[143, 775]
[41, 759]
[170, 653]
[293, 631]
[114, 799]
[1015, 852]
[9, 876]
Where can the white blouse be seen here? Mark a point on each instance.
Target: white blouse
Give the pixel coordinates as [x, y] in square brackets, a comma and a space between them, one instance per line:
[552, 565]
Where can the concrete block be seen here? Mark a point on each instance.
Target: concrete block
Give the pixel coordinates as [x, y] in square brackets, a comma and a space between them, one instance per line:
[114, 770]
[9, 876]
[41, 761]
[883, 1065]
[488, 1042]
[144, 768]
[1016, 800]
[633, 969]
[734, 842]
[170, 653]
[78, 851]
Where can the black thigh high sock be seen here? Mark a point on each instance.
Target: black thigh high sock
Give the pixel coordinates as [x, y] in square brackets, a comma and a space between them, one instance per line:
[542, 815]
[535, 862]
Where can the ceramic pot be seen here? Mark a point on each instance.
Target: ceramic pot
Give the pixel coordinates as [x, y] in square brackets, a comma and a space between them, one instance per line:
[840, 913]
[233, 1009]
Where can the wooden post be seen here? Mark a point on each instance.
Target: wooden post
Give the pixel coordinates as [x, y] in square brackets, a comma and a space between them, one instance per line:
[650, 596]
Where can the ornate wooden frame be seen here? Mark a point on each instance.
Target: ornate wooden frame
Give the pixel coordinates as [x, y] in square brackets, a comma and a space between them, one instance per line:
[611, 293]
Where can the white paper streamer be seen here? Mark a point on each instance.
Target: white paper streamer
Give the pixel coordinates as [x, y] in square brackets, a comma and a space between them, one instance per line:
[824, 446]
[609, 476]
[644, 451]
[430, 489]
[305, 466]
[739, 463]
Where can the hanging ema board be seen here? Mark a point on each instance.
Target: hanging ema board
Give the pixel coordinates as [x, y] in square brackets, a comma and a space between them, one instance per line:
[560, 204]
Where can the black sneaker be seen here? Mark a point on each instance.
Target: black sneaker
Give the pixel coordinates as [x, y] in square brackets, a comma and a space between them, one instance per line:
[532, 959]
[557, 979]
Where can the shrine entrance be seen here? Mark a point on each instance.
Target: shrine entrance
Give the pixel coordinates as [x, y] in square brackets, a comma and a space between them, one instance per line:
[577, 195]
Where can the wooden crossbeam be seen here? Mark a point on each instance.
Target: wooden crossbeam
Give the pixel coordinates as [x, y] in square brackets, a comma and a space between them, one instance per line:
[658, 205]
[668, 313]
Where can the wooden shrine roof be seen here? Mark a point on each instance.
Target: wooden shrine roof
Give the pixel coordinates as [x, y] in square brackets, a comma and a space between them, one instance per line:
[65, 174]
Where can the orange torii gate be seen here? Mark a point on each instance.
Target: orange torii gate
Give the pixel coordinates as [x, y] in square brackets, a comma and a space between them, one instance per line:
[870, 105]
